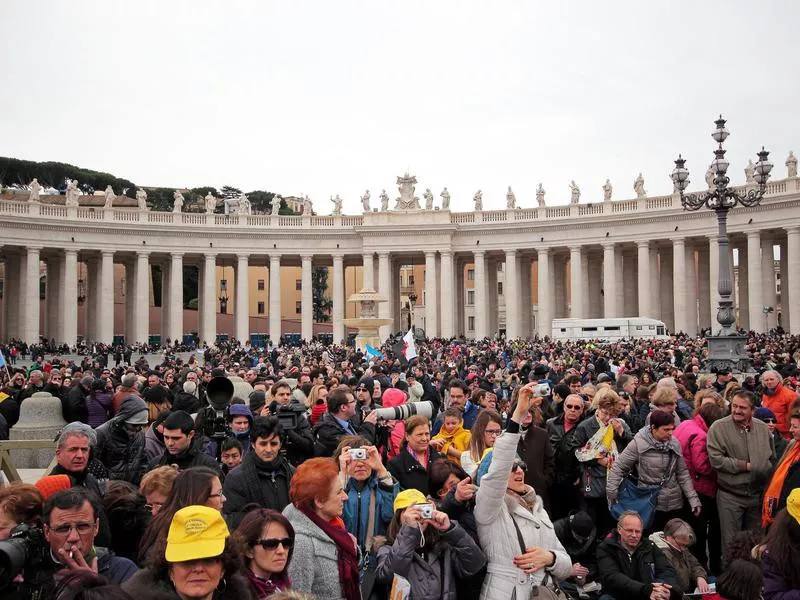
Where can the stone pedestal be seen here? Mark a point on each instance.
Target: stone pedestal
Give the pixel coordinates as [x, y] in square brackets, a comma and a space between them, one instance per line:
[369, 322]
[40, 418]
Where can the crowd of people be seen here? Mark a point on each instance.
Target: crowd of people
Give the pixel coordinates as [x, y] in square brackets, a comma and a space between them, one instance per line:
[486, 469]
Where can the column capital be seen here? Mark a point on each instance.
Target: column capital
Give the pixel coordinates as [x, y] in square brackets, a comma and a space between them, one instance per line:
[275, 258]
[175, 255]
[754, 235]
[67, 251]
[678, 242]
[431, 253]
[479, 252]
[511, 252]
[242, 256]
[544, 251]
[210, 256]
[608, 245]
[447, 252]
[105, 253]
[384, 255]
[643, 244]
[143, 254]
[306, 257]
[792, 230]
[337, 256]
[576, 249]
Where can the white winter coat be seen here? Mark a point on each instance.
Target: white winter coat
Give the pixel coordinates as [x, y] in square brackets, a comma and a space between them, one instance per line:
[498, 536]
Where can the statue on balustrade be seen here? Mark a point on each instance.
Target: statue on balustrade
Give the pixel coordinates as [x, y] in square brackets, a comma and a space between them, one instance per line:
[365, 201]
[275, 203]
[407, 199]
[34, 188]
[638, 187]
[308, 207]
[749, 172]
[511, 199]
[710, 175]
[478, 200]
[110, 197]
[337, 205]
[384, 200]
[72, 193]
[211, 203]
[607, 189]
[791, 164]
[177, 202]
[540, 196]
[445, 195]
[245, 208]
[141, 199]
[575, 192]
[428, 195]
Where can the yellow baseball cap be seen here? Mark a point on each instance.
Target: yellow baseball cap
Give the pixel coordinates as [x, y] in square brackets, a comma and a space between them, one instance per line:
[196, 532]
[408, 497]
[793, 504]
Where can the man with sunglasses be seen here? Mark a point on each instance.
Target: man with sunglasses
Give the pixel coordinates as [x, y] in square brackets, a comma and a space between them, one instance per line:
[562, 430]
[121, 441]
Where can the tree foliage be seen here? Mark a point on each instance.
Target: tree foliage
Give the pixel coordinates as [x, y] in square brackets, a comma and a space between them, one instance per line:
[230, 192]
[14, 171]
[322, 304]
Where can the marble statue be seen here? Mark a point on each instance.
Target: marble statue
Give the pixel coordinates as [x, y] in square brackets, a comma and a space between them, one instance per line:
[211, 203]
[749, 172]
[575, 192]
[607, 189]
[337, 205]
[445, 195]
[35, 188]
[791, 164]
[407, 199]
[638, 187]
[710, 175]
[384, 200]
[177, 202]
[275, 203]
[110, 197]
[365, 201]
[308, 206]
[245, 208]
[141, 199]
[72, 193]
[511, 199]
[428, 195]
[478, 200]
[540, 196]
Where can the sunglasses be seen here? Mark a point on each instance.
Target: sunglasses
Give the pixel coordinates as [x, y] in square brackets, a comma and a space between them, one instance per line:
[519, 464]
[272, 543]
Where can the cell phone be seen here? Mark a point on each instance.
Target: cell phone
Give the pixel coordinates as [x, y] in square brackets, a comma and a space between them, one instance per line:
[425, 510]
[358, 454]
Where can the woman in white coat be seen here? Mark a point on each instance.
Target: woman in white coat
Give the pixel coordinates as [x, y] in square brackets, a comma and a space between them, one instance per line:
[502, 493]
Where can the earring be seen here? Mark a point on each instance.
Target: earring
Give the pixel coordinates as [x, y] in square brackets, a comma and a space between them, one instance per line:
[223, 585]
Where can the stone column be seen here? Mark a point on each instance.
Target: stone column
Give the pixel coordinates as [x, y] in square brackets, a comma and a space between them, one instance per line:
[481, 324]
[105, 303]
[559, 270]
[275, 299]
[609, 281]
[630, 298]
[576, 283]
[307, 299]
[679, 285]
[175, 307]
[69, 297]
[91, 290]
[338, 299]
[785, 280]
[545, 291]
[53, 295]
[594, 268]
[754, 281]
[513, 317]
[704, 287]
[208, 313]
[141, 298]
[128, 292]
[30, 306]
[385, 309]
[667, 288]
[431, 296]
[691, 291]
[242, 298]
[713, 280]
[13, 289]
[166, 298]
[447, 287]
[769, 297]
[525, 295]
[643, 268]
[655, 283]
[369, 271]
[792, 302]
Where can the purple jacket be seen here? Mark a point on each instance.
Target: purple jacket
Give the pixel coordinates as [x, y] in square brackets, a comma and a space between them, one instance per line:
[776, 584]
[98, 404]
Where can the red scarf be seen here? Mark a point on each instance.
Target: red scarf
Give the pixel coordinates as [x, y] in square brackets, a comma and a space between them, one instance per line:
[345, 557]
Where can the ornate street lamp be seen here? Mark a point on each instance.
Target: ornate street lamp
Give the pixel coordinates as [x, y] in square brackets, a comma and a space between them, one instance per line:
[412, 298]
[223, 294]
[726, 348]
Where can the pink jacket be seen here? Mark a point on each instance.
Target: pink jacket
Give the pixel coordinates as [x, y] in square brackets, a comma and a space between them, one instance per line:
[692, 435]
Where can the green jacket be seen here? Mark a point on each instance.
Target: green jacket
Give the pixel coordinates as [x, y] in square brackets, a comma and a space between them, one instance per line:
[730, 447]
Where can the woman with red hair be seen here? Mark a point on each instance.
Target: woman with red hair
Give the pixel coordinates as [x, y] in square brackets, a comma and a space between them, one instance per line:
[324, 562]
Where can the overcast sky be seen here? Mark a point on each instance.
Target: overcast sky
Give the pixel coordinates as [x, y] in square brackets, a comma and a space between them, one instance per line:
[325, 97]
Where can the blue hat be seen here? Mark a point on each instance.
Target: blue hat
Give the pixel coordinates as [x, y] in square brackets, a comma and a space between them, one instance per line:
[240, 410]
[762, 413]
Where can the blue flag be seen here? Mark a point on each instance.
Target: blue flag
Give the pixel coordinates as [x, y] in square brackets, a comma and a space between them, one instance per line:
[2, 359]
[373, 352]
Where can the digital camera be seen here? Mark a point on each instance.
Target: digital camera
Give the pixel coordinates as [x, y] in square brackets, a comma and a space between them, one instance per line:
[358, 454]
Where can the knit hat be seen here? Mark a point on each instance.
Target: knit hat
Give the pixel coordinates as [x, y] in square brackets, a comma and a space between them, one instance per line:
[408, 497]
[53, 483]
[763, 413]
[196, 532]
[792, 504]
[581, 524]
[257, 401]
[366, 383]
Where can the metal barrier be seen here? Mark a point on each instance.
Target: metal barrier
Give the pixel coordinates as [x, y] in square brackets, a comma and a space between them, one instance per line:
[7, 464]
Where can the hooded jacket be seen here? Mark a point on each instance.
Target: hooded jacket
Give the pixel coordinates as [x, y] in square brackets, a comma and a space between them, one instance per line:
[780, 402]
[356, 513]
[123, 454]
[693, 436]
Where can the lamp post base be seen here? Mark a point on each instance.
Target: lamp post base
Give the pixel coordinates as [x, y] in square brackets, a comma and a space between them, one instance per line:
[728, 352]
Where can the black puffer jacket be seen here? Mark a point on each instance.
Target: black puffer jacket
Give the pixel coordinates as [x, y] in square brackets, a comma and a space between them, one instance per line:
[123, 455]
[193, 456]
[584, 552]
[630, 576]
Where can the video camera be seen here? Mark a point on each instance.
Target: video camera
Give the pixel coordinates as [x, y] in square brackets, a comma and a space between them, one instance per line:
[218, 393]
[25, 549]
[288, 416]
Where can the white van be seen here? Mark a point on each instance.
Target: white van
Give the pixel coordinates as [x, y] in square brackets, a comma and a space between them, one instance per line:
[608, 329]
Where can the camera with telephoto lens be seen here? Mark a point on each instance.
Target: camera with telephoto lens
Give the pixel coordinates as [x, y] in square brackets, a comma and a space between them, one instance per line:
[215, 415]
[402, 412]
[25, 549]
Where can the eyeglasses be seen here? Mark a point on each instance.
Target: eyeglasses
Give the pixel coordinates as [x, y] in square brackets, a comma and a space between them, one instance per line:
[219, 494]
[81, 528]
[768, 420]
[272, 543]
[519, 464]
[575, 407]
[493, 432]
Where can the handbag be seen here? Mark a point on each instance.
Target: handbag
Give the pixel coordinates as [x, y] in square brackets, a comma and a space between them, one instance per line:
[548, 589]
[642, 499]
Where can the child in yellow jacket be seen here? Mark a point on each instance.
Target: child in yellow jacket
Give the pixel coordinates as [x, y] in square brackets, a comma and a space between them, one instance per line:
[452, 438]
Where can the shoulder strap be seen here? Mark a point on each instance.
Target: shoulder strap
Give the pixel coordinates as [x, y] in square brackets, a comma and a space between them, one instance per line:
[520, 539]
[668, 471]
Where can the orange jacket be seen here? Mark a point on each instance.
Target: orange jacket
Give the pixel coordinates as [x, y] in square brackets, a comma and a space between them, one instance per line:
[781, 404]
